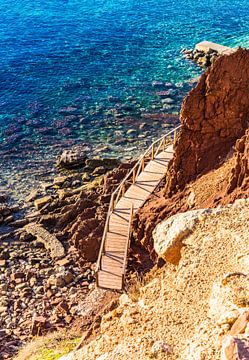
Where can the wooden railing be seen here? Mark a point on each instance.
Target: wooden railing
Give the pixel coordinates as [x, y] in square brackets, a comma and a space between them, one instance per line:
[131, 177]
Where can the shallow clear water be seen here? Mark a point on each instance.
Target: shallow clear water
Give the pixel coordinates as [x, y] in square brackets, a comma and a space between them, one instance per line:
[101, 58]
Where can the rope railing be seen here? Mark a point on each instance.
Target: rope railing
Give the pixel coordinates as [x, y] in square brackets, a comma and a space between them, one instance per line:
[131, 177]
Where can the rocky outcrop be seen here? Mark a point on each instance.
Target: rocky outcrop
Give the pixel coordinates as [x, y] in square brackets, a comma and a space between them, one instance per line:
[213, 116]
[169, 235]
[239, 179]
[77, 217]
[201, 57]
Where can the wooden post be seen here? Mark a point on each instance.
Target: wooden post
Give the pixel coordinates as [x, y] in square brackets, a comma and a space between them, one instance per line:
[152, 152]
[123, 190]
[142, 164]
[112, 203]
[134, 176]
[164, 143]
[175, 137]
[107, 220]
[105, 180]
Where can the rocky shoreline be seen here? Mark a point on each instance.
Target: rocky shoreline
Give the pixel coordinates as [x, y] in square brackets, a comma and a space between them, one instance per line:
[47, 254]
[202, 58]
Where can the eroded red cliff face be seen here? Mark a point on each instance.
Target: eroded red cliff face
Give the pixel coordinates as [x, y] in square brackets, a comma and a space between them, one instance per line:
[238, 185]
[214, 115]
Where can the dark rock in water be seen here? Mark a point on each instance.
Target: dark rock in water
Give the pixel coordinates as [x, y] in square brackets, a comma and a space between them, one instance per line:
[3, 197]
[46, 130]
[20, 120]
[75, 157]
[107, 164]
[33, 123]
[58, 124]
[202, 58]
[64, 131]
[13, 139]
[157, 84]
[36, 108]
[11, 130]
[68, 110]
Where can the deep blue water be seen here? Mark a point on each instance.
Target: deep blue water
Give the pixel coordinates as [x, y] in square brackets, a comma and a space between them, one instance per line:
[101, 58]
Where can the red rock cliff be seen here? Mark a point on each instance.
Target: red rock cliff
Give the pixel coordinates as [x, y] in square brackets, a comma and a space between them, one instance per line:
[239, 180]
[214, 115]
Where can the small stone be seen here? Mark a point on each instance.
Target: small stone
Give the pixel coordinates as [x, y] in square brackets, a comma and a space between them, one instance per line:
[40, 203]
[2, 263]
[160, 347]
[86, 177]
[38, 324]
[59, 180]
[32, 196]
[228, 317]
[68, 277]
[124, 300]
[63, 262]
[240, 324]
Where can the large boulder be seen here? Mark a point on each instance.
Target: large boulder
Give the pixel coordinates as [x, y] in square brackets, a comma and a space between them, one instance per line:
[49, 240]
[74, 158]
[169, 235]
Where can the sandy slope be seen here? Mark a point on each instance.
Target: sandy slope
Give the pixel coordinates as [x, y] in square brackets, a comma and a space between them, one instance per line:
[181, 305]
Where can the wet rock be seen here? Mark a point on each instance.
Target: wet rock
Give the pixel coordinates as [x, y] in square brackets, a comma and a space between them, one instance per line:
[69, 110]
[108, 163]
[157, 84]
[19, 223]
[3, 197]
[74, 158]
[202, 58]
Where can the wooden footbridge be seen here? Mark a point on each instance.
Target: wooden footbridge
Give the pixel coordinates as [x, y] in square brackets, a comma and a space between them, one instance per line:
[125, 201]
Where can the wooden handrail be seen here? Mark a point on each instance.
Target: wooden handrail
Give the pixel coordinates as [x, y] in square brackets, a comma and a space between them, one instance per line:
[152, 151]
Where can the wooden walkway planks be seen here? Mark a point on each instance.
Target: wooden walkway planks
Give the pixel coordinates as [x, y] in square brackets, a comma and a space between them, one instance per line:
[113, 256]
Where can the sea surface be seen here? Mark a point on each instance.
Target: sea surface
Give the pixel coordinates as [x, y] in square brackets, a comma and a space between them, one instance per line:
[74, 71]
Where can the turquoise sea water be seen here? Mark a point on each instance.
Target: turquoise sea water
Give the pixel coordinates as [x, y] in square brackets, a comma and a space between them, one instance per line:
[75, 70]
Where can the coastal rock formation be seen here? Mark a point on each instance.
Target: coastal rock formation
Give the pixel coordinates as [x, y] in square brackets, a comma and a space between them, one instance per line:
[213, 116]
[202, 58]
[239, 179]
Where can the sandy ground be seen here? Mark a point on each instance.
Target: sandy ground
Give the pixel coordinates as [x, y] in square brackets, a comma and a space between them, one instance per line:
[180, 305]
